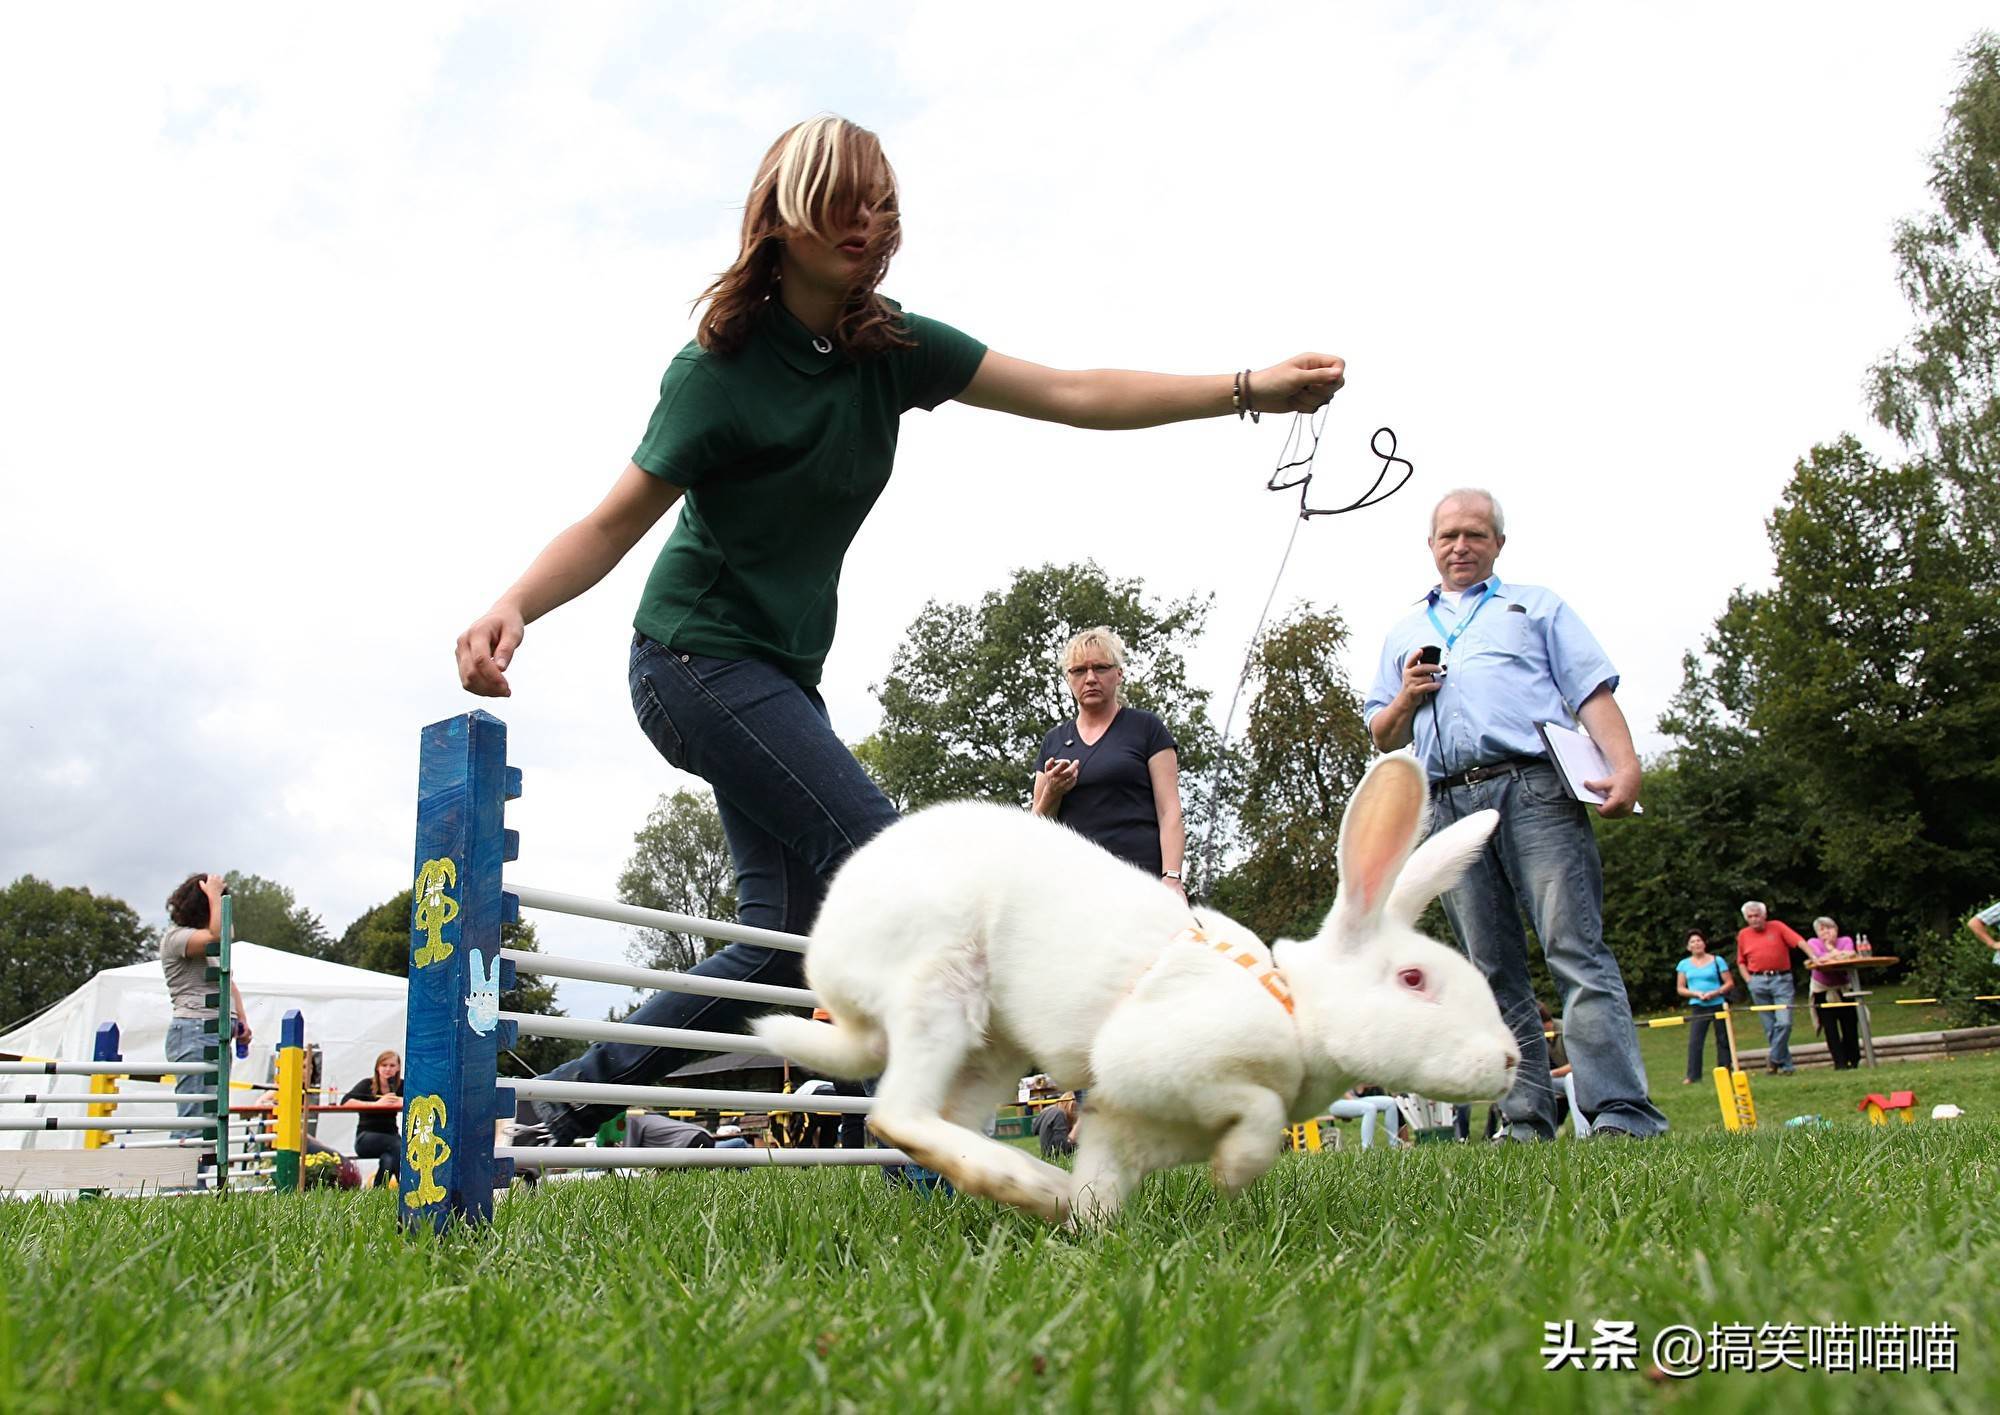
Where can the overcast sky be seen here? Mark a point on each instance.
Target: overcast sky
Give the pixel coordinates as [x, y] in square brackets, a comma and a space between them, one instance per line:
[319, 323]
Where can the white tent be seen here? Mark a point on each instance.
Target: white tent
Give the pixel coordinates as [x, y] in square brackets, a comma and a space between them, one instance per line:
[351, 1015]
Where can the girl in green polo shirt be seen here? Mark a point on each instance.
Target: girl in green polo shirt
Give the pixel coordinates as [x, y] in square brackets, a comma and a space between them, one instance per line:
[775, 432]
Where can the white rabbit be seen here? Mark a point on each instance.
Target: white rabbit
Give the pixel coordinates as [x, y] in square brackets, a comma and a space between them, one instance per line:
[970, 943]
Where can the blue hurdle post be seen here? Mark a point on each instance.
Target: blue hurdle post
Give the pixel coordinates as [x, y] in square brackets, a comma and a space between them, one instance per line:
[104, 1049]
[450, 1096]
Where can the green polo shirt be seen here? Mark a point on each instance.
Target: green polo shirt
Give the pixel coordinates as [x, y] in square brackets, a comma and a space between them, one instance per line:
[783, 449]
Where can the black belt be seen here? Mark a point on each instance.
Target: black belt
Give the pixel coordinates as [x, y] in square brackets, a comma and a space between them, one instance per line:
[1473, 775]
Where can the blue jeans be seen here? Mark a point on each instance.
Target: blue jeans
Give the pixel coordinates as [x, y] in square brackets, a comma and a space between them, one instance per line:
[1543, 858]
[1769, 989]
[184, 1043]
[794, 805]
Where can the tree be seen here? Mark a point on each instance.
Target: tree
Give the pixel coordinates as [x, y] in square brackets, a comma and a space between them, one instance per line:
[680, 863]
[1839, 738]
[1304, 751]
[53, 940]
[973, 689]
[1940, 392]
[268, 913]
[1860, 692]
[380, 941]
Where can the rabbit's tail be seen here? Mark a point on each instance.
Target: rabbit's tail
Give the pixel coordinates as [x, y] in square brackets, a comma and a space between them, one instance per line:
[852, 1052]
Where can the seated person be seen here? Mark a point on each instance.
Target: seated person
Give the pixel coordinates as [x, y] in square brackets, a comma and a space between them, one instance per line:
[644, 1130]
[375, 1130]
[1055, 1126]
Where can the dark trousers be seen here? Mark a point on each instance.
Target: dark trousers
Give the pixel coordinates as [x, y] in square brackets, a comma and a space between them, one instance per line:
[1699, 1021]
[794, 805]
[1841, 1029]
[374, 1145]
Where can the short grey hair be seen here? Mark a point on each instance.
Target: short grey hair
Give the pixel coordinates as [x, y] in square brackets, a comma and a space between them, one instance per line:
[1822, 919]
[1499, 516]
[1750, 904]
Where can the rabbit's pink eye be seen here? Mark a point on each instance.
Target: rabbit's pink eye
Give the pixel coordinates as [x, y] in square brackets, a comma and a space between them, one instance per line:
[1412, 978]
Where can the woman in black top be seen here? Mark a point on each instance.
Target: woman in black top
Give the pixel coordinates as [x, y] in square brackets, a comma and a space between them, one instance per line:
[1112, 772]
[375, 1130]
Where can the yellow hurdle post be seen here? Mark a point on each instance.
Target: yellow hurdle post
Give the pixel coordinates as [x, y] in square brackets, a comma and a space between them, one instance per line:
[1725, 1098]
[288, 1170]
[1732, 1085]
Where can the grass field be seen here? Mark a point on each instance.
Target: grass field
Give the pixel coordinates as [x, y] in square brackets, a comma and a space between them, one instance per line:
[1413, 1280]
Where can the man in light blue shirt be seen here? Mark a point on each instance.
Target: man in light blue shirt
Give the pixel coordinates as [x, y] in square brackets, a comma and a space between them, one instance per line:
[1513, 656]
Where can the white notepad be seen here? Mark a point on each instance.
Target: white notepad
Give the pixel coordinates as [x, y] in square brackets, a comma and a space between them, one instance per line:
[1577, 760]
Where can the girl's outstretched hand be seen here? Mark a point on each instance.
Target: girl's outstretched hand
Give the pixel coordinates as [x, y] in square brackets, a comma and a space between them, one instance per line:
[485, 650]
[1304, 383]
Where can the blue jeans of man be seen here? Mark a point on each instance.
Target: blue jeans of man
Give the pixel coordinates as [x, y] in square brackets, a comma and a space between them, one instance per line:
[1775, 990]
[1542, 858]
[794, 805]
[184, 1043]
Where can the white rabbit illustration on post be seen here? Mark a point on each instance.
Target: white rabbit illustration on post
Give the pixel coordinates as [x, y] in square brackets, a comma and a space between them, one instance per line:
[482, 1006]
[970, 943]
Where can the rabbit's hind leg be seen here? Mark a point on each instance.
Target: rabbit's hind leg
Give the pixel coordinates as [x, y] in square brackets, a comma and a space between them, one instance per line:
[986, 1081]
[932, 1042]
[1252, 1121]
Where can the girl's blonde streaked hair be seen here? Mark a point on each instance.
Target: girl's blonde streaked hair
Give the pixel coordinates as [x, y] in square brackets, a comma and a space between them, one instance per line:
[812, 180]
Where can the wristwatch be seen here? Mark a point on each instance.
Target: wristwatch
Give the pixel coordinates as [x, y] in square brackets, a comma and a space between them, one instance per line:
[1170, 874]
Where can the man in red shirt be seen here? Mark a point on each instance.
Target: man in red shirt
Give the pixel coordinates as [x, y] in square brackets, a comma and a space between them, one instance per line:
[1764, 956]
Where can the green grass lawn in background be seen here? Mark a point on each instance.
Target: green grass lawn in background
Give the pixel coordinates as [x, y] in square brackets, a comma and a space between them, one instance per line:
[1415, 1280]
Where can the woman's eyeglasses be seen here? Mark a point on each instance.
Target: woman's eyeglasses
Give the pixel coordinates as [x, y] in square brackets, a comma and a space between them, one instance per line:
[1083, 670]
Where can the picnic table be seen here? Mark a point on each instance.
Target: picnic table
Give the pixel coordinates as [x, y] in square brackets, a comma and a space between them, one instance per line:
[1860, 995]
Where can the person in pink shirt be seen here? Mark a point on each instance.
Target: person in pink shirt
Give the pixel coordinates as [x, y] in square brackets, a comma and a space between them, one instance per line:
[1831, 986]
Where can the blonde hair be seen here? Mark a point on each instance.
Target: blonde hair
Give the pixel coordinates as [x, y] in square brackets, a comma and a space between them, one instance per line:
[813, 178]
[1103, 639]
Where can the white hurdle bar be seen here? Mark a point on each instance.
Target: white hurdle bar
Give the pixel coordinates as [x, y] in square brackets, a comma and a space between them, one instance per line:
[134, 1069]
[656, 978]
[615, 913]
[578, 1029]
[688, 1098]
[70, 1122]
[160, 1145]
[617, 1157]
[533, 1024]
[104, 1098]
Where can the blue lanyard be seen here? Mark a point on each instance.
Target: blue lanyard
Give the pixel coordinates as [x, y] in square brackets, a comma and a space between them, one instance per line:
[1451, 638]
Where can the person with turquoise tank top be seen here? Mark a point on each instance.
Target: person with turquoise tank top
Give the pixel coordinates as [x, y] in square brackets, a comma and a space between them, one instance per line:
[1705, 981]
[774, 434]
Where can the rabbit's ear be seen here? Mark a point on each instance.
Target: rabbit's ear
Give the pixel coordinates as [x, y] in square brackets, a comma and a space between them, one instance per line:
[1437, 865]
[1382, 824]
